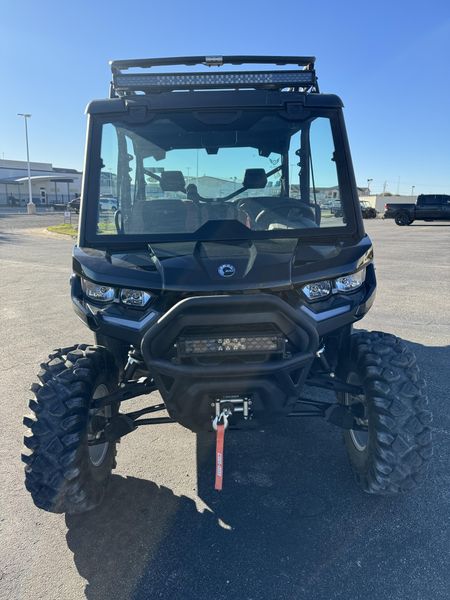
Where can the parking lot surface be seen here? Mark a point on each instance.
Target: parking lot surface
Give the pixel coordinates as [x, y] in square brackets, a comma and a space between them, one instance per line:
[290, 522]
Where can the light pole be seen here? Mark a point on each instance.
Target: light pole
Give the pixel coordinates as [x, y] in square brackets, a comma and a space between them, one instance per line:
[31, 207]
[412, 190]
[196, 179]
[369, 181]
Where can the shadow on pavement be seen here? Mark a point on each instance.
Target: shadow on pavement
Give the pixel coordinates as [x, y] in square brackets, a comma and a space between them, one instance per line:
[290, 523]
[429, 224]
[113, 544]
[4, 238]
[13, 215]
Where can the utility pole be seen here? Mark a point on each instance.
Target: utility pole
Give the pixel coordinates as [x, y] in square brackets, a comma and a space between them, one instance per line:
[31, 207]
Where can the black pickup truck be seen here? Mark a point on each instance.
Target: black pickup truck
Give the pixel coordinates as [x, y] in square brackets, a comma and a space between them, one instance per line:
[429, 207]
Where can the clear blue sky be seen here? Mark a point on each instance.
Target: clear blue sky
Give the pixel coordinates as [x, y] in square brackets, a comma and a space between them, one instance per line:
[388, 60]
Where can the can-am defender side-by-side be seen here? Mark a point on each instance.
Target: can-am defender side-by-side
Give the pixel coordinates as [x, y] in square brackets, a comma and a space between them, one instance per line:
[218, 274]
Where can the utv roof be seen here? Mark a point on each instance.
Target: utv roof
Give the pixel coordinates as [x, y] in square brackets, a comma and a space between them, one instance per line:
[158, 89]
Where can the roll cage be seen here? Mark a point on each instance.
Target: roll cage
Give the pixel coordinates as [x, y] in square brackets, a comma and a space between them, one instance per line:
[138, 98]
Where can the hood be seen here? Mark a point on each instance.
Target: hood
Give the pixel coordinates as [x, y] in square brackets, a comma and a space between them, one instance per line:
[218, 266]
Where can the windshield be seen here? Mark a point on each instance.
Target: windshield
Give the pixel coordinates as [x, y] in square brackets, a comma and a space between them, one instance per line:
[188, 172]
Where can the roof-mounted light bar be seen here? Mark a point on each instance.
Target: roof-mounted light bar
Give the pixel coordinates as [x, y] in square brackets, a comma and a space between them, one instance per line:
[149, 82]
[123, 84]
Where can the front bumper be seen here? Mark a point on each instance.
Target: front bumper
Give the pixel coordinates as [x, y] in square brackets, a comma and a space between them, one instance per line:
[190, 386]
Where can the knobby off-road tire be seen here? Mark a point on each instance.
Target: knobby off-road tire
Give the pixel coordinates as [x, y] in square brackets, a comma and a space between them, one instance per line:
[392, 456]
[63, 473]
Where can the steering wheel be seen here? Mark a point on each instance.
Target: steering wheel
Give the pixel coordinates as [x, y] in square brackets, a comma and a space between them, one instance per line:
[289, 210]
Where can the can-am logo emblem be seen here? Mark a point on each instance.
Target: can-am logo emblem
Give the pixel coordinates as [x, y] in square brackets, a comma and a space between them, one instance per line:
[226, 270]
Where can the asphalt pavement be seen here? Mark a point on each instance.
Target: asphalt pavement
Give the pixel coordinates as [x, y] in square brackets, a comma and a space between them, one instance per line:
[290, 523]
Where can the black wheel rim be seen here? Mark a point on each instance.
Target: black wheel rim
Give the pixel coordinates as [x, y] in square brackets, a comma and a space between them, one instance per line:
[98, 452]
[359, 438]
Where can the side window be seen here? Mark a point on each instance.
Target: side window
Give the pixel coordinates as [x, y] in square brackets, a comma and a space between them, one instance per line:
[433, 200]
[117, 178]
[118, 173]
[313, 173]
[109, 154]
[323, 174]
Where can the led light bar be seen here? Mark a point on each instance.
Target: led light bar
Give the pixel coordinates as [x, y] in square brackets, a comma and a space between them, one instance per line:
[213, 346]
[245, 79]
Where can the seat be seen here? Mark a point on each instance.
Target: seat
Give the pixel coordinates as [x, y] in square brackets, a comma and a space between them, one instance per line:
[218, 211]
[168, 215]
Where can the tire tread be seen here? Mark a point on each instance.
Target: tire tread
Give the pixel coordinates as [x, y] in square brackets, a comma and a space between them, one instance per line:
[401, 446]
[55, 469]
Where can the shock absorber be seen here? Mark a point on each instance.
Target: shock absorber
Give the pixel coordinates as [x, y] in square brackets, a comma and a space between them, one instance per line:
[133, 362]
[320, 354]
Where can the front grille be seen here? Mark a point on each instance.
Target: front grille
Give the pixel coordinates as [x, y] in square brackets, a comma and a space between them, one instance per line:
[230, 344]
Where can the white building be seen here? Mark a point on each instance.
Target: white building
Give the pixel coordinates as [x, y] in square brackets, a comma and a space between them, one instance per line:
[49, 184]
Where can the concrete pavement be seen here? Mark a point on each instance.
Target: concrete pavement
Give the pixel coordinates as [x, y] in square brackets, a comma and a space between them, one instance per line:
[290, 522]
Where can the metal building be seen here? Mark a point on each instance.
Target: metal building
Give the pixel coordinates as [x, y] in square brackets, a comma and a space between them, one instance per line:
[49, 184]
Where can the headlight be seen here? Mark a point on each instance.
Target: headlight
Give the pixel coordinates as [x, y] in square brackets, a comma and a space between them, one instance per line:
[317, 289]
[97, 291]
[134, 297]
[351, 282]
[322, 289]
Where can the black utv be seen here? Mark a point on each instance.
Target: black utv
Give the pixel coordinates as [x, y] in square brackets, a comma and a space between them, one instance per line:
[218, 281]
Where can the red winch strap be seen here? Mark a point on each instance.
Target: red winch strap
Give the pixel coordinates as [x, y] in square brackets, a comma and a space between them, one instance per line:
[219, 456]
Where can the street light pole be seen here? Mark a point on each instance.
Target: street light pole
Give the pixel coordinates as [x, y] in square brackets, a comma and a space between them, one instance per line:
[369, 181]
[412, 190]
[31, 207]
[196, 179]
